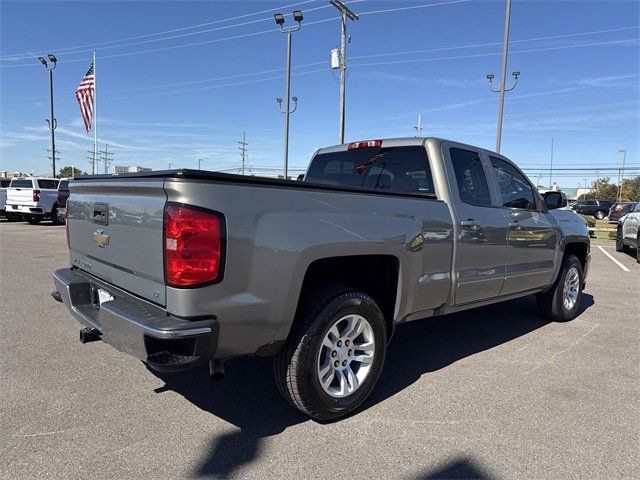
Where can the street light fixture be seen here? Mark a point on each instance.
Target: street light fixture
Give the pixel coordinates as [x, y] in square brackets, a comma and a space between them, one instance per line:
[279, 19]
[51, 121]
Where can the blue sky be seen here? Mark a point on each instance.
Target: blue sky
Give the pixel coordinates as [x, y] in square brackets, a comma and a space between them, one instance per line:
[173, 100]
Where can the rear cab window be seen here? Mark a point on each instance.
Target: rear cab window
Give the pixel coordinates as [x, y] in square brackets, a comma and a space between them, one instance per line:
[471, 179]
[22, 183]
[48, 184]
[63, 185]
[391, 169]
[5, 183]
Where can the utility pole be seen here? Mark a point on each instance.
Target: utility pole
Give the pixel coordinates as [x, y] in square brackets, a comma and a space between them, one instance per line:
[345, 13]
[624, 160]
[418, 127]
[279, 18]
[551, 167]
[93, 161]
[243, 149]
[105, 158]
[53, 156]
[199, 163]
[51, 121]
[503, 76]
[170, 165]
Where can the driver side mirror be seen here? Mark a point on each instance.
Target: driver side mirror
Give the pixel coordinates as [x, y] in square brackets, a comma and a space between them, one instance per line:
[555, 200]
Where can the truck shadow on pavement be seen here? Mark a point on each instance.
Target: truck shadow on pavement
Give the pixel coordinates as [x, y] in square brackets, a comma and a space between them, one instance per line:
[248, 398]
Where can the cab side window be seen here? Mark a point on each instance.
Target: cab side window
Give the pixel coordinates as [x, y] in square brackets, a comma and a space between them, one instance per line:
[470, 177]
[514, 188]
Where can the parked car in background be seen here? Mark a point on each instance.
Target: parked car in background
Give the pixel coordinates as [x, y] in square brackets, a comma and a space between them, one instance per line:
[618, 210]
[4, 183]
[33, 198]
[628, 231]
[314, 273]
[61, 203]
[598, 208]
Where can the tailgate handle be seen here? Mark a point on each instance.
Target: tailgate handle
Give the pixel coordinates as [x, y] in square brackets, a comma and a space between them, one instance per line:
[101, 214]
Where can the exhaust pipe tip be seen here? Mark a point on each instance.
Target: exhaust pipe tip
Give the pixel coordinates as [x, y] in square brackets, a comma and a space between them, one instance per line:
[56, 296]
[216, 370]
[89, 335]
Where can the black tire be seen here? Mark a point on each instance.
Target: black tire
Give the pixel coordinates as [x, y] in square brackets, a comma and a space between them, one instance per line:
[638, 249]
[551, 304]
[55, 219]
[13, 217]
[599, 214]
[619, 244]
[295, 366]
[32, 219]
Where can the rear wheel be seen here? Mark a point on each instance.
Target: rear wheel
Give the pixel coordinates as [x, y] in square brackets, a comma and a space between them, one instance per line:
[562, 302]
[56, 218]
[638, 248]
[334, 356]
[599, 215]
[13, 217]
[619, 243]
[32, 219]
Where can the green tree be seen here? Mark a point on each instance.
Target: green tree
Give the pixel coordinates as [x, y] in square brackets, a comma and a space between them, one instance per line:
[602, 189]
[631, 189]
[68, 172]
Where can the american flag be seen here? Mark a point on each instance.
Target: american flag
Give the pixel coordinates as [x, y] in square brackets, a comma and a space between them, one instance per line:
[85, 94]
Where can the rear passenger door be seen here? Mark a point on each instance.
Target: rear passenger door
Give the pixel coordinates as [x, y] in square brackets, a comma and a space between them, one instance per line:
[532, 239]
[481, 226]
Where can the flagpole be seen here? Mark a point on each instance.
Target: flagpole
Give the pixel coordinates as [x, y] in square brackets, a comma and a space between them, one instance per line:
[95, 115]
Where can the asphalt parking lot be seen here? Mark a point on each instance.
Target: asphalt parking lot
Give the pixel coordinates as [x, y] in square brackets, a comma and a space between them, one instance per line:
[497, 392]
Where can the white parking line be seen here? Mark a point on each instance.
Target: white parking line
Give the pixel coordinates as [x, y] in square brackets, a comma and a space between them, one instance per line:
[613, 259]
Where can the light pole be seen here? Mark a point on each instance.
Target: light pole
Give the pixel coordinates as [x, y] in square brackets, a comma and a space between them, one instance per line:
[279, 18]
[503, 76]
[170, 165]
[345, 13]
[52, 121]
[624, 160]
[199, 162]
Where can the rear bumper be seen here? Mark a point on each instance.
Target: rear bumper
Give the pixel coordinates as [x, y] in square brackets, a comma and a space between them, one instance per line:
[25, 209]
[137, 327]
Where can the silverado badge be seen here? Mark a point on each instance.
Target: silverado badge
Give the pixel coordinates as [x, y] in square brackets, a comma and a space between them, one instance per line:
[101, 238]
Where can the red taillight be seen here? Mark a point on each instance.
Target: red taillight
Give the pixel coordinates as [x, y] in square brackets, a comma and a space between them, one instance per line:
[367, 144]
[36, 195]
[192, 246]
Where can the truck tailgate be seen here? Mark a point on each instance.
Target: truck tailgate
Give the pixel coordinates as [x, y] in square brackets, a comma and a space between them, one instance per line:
[116, 233]
[20, 196]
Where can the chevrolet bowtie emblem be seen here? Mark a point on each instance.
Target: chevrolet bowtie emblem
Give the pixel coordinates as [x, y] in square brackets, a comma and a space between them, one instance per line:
[101, 238]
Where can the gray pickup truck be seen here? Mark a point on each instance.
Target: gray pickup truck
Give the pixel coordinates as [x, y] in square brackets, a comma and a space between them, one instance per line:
[178, 268]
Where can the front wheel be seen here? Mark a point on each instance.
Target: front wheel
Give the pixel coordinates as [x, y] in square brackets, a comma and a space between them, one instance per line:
[638, 248]
[619, 243]
[599, 215]
[562, 302]
[334, 355]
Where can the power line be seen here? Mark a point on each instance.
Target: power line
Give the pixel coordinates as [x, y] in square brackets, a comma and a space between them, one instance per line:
[235, 37]
[93, 45]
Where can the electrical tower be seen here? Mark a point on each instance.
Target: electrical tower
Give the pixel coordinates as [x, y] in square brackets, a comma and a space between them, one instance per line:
[106, 157]
[243, 149]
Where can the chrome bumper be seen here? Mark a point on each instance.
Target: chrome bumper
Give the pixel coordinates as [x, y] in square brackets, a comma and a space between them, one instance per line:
[135, 326]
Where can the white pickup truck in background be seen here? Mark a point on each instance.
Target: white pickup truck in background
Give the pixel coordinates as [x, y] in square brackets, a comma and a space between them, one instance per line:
[33, 198]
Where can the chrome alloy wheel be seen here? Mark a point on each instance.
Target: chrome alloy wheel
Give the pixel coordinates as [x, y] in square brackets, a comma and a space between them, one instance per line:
[346, 356]
[571, 288]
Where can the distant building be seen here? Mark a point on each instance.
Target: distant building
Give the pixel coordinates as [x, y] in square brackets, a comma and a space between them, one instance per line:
[118, 169]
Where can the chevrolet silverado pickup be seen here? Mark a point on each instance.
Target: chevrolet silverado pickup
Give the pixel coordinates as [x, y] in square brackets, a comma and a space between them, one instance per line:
[183, 267]
[33, 198]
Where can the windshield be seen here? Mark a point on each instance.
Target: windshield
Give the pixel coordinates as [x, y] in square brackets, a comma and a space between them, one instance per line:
[394, 169]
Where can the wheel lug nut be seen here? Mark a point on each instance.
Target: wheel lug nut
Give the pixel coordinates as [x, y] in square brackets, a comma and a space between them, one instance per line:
[334, 353]
[350, 352]
[344, 364]
[337, 364]
[339, 343]
[346, 343]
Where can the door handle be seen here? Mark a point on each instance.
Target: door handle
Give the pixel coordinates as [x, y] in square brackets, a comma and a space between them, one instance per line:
[470, 223]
